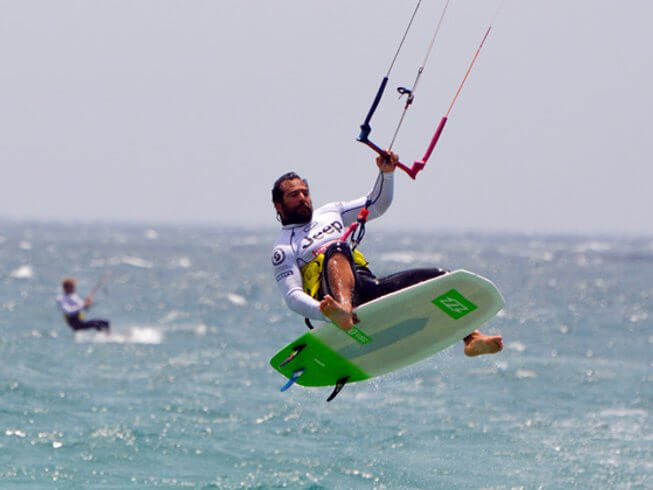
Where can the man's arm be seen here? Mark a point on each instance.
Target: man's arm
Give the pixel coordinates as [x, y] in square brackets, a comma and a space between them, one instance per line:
[381, 195]
[380, 198]
[289, 280]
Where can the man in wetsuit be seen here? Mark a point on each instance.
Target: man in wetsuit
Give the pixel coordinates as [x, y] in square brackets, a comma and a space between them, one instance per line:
[318, 274]
[73, 308]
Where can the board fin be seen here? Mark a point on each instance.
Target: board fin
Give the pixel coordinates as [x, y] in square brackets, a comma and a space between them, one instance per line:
[296, 350]
[339, 385]
[295, 376]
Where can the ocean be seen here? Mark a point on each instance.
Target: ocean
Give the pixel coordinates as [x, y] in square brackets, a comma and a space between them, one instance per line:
[181, 394]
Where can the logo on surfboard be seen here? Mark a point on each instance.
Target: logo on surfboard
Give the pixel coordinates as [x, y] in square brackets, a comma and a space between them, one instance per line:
[454, 304]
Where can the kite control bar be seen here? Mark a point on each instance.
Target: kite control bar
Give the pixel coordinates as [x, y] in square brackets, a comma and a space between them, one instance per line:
[417, 164]
[363, 137]
[366, 129]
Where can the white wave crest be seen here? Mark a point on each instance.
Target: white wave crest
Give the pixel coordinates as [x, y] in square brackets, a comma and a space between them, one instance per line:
[236, 299]
[405, 257]
[593, 246]
[400, 257]
[123, 259]
[23, 272]
[623, 412]
[133, 335]
[181, 262]
[525, 374]
[516, 345]
[136, 262]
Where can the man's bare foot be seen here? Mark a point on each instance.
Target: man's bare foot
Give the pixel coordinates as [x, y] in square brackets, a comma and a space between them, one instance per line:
[337, 313]
[478, 343]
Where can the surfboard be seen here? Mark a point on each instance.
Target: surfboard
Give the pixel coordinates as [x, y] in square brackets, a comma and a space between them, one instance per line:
[394, 331]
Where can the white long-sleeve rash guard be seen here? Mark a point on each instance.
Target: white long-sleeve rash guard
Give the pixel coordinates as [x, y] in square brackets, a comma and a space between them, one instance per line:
[69, 304]
[299, 244]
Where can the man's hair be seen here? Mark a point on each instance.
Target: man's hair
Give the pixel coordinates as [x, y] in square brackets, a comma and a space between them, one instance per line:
[277, 192]
[68, 282]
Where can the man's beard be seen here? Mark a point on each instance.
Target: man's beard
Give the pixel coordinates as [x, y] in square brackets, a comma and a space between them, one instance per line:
[298, 216]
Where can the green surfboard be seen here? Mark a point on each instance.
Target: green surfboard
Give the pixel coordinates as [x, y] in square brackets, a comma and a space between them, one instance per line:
[394, 331]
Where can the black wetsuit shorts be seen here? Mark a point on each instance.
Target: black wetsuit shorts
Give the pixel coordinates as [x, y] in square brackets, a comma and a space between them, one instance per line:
[367, 285]
[76, 323]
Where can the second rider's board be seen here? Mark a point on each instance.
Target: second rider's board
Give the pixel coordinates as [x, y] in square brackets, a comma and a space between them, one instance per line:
[394, 331]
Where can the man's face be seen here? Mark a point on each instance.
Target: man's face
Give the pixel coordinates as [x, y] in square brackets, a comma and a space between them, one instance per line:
[295, 207]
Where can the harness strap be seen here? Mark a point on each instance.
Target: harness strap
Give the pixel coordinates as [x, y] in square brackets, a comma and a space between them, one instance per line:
[358, 224]
[312, 272]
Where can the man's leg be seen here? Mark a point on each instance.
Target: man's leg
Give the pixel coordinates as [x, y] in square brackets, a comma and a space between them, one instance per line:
[75, 322]
[477, 343]
[98, 325]
[399, 280]
[341, 279]
[338, 285]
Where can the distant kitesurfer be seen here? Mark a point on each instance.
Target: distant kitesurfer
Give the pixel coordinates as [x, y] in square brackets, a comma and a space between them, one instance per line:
[319, 276]
[73, 308]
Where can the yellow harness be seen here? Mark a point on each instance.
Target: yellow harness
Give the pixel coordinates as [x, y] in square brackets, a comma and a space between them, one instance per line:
[312, 272]
[80, 314]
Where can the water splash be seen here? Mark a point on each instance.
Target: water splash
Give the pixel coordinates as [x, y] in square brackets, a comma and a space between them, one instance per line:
[134, 335]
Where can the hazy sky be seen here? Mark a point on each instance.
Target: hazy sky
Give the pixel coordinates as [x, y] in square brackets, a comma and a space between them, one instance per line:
[186, 111]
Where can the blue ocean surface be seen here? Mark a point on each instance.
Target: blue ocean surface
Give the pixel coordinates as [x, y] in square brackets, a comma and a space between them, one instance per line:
[181, 394]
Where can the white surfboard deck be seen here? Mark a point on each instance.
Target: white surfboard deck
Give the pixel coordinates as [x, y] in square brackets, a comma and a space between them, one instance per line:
[416, 322]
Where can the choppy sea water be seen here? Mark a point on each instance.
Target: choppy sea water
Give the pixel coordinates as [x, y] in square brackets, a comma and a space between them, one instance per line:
[181, 395]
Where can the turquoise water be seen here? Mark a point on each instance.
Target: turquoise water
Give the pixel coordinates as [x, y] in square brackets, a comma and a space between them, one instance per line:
[181, 394]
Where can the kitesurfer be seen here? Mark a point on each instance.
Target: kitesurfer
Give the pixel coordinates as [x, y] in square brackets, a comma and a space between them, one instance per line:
[73, 308]
[319, 275]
